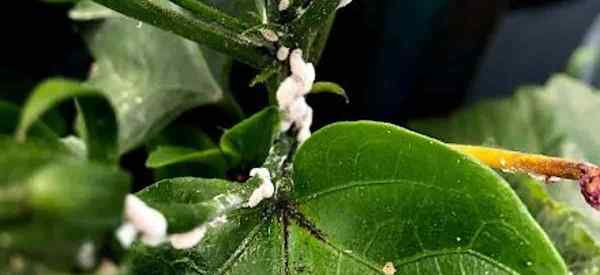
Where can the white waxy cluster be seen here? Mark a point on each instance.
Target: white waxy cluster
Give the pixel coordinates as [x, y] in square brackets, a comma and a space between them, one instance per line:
[191, 238]
[269, 35]
[344, 3]
[264, 191]
[86, 256]
[140, 219]
[290, 96]
[284, 5]
[144, 220]
[282, 53]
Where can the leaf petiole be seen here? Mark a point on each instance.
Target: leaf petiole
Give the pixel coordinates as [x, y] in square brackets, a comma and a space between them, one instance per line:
[587, 174]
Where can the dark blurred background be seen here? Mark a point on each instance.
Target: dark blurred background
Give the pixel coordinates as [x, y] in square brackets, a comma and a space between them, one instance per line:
[397, 59]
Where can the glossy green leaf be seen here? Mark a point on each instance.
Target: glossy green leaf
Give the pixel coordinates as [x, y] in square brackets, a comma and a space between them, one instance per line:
[247, 143]
[182, 151]
[244, 146]
[208, 163]
[329, 87]
[367, 194]
[168, 155]
[567, 228]
[100, 122]
[557, 119]
[148, 85]
[381, 194]
[190, 202]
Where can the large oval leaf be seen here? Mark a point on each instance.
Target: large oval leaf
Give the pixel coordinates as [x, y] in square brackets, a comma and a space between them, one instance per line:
[381, 194]
[367, 195]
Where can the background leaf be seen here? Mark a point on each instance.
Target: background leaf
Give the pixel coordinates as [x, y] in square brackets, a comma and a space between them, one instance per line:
[555, 120]
[150, 75]
[247, 143]
[59, 202]
[100, 128]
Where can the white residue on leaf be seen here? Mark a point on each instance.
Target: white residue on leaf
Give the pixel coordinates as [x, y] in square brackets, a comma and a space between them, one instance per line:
[126, 234]
[142, 219]
[284, 5]
[86, 256]
[282, 53]
[269, 35]
[192, 238]
[264, 191]
[344, 3]
[188, 239]
[389, 268]
[290, 96]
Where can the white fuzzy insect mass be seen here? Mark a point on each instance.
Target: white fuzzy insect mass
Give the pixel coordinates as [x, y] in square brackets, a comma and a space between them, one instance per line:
[264, 191]
[282, 53]
[86, 256]
[344, 3]
[284, 5]
[290, 96]
[126, 234]
[192, 238]
[269, 35]
[189, 239]
[140, 218]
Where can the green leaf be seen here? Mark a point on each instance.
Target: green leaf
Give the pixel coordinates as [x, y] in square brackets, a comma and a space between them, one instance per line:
[51, 203]
[189, 202]
[206, 163]
[244, 146]
[381, 194]
[183, 151]
[100, 122]
[247, 143]
[567, 228]
[149, 85]
[366, 194]
[10, 117]
[557, 119]
[329, 87]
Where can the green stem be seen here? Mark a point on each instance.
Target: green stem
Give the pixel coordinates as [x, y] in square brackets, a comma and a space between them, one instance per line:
[319, 41]
[205, 12]
[245, 49]
[312, 20]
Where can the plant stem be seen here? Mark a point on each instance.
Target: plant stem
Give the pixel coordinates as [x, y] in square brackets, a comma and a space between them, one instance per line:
[312, 20]
[587, 174]
[205, 11]
[245, 49]
[521, 162]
